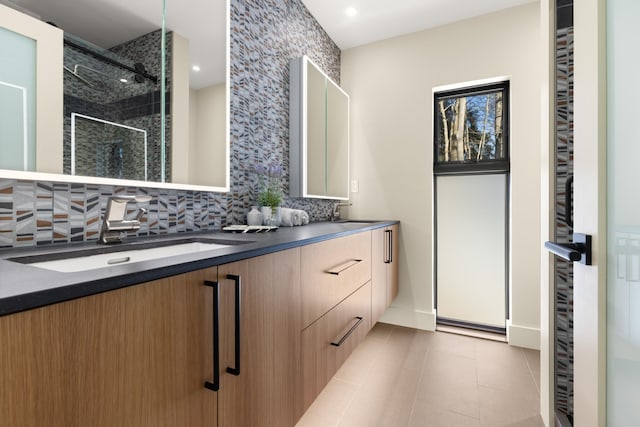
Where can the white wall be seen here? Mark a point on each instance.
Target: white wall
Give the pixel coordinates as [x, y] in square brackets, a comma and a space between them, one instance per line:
[390, 84]
[207, 139]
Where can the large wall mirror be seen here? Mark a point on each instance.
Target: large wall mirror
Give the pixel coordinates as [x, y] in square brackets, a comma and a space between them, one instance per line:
[88, 106]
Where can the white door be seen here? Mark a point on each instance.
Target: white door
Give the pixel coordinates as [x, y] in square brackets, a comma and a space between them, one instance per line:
[471, 250]
[607, 206]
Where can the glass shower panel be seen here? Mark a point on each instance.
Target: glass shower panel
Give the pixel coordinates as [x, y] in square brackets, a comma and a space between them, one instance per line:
[623, 216]
[107, 149]
[17, 101]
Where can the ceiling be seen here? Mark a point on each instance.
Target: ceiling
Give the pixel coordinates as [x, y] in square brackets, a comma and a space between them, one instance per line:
[383, 19]
[107, 23]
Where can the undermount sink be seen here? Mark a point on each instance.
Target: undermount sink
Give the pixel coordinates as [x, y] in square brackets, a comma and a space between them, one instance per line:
[107, 256]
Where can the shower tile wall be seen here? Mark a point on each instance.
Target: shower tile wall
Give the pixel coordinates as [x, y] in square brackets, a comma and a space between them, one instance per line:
[266, 35]
[132, 104]
[564, 169]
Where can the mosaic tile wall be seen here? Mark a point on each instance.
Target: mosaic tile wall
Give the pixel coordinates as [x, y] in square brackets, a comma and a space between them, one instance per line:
[564, 269]
[266, 35]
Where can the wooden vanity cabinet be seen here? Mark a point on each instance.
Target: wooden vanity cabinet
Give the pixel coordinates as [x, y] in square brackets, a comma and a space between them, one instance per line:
[329, 341]
[135, 357]
[331, 271]
[384, 269]
[140, 356]
[267, 390]
[336, 306]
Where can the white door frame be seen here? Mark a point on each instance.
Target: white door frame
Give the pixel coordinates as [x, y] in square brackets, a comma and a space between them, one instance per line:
[590, 207]
[590, 102]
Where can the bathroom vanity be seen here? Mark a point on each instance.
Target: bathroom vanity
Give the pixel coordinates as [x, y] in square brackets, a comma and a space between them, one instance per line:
[243, 335]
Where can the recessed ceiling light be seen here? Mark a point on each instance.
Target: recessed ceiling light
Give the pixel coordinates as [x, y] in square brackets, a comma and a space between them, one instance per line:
[124, 80]
[351, 11]
[195, 68]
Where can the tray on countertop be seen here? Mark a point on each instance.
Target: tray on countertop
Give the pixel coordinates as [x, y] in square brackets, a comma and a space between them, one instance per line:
[240, 228]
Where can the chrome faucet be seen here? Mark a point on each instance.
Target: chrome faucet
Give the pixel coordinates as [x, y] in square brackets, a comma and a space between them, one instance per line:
[114, 221]
[335, 211]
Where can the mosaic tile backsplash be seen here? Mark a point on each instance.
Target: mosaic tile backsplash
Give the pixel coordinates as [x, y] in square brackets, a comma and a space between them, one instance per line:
[265, 36]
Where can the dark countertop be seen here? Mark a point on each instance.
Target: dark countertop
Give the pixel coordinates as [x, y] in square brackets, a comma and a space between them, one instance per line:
[23, 287]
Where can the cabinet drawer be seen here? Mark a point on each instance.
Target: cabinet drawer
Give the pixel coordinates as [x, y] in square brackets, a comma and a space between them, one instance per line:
[331, 271]
[328, 342]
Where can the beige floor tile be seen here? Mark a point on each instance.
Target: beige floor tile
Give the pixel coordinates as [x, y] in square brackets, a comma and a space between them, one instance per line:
[454, 344]
[503, 355]
[503, 379]
[386, 402]
[381, 331]
[506, 408]
[328, 408]
[443, 368]
[357, 368]
[401, 377]
[450, 382]
[429, 415]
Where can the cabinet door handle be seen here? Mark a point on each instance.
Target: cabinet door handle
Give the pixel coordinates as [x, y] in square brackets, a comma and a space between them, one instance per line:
[358, 320]
[215, 385]
[238, 285]
[388, 248]
[343, 267]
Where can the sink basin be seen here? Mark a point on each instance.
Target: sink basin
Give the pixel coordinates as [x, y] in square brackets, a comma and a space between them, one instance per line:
[106, 256]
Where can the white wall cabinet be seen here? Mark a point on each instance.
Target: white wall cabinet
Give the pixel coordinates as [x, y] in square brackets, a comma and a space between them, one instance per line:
[319, 134]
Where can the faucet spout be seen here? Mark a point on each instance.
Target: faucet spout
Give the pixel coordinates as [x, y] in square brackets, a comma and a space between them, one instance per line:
[114, 221]
[335, 212]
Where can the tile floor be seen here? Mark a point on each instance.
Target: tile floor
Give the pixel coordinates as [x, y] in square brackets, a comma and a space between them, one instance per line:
[410, 378]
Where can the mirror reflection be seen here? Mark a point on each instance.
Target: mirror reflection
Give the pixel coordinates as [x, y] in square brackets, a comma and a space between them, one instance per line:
[112, 73]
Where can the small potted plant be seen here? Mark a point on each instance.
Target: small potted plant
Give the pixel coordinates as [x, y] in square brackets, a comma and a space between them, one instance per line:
[270, 195]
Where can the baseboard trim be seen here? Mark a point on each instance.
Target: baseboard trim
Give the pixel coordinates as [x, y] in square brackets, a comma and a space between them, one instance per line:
[416, 319]
[523, 336]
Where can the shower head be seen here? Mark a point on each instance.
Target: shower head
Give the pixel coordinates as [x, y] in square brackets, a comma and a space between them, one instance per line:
[141, 71]
[78, 76]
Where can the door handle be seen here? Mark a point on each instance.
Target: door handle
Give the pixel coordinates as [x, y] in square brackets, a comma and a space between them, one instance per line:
[579, 250]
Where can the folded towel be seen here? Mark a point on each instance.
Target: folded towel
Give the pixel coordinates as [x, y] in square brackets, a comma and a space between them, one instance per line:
[305, 217]
[285, 217]
[293, 217]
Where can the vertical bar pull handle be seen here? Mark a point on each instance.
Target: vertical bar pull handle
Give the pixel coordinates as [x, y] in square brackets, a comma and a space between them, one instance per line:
[387, 247]
[390, 246]
[215, 385]
[238, 285]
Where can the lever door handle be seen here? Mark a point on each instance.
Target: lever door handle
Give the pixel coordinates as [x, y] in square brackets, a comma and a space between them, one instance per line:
[579, 250]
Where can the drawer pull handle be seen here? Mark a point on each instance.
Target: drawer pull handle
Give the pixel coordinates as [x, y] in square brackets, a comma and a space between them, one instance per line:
[349, 332]
[343, 267]
[215, 385]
